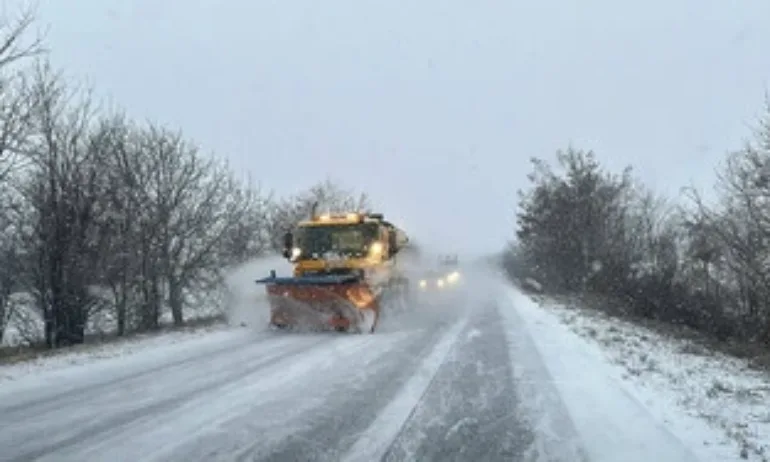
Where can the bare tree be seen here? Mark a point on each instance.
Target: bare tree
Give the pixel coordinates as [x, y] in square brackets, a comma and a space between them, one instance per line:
[113, 142]
[63, 194]
[15, 129]
[9, 255]
[735, 235]
[15, 105]
[192, 210]
[248, 237]
[330, 197]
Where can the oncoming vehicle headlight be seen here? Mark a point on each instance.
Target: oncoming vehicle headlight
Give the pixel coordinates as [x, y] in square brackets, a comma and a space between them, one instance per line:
[440, 283]
[454, 277]
[423, 283]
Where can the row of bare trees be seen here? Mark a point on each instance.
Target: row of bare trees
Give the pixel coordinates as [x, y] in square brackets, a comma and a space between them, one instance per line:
[103, 216]
[582, 229]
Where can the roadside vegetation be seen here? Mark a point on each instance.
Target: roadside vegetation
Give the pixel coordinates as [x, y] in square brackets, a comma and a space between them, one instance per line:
[687, 266]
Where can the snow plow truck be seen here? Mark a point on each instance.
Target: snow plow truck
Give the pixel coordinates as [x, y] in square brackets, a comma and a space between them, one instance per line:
[344, 273]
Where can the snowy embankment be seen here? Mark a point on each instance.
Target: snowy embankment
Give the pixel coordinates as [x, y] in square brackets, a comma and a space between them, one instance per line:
[715, 404]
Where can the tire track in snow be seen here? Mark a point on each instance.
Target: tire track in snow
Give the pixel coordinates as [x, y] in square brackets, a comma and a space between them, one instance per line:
[470, 411]
[248, 416]
[375, 441]
[319, 416]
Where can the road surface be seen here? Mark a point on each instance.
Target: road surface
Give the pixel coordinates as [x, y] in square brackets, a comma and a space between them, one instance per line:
[460, 380]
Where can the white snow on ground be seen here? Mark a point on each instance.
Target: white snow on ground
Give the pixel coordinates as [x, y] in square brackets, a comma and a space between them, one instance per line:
[615, 377]
[111, 359]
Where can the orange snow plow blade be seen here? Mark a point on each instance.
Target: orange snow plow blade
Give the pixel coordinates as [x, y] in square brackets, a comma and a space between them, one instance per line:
[343, 303]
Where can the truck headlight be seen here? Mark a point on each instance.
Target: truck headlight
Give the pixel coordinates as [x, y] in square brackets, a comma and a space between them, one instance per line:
[295, 253]
[375, 250]
[423, 283]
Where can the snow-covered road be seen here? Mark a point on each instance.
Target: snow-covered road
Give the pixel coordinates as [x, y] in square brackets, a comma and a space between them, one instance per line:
[471, 384]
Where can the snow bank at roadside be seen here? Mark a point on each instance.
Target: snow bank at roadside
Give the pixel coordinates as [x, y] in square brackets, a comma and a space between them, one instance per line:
[714, 403]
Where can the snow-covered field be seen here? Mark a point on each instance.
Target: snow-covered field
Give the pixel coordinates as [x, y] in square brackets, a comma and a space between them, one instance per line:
[717, 404]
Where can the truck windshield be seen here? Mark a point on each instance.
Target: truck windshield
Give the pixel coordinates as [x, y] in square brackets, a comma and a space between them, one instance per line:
[351, 240]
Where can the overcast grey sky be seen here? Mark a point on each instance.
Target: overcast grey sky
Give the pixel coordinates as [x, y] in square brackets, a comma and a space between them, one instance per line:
[433, 107]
